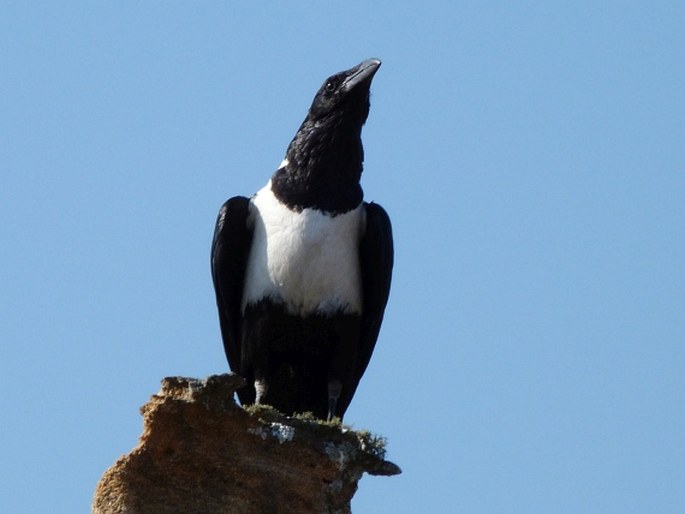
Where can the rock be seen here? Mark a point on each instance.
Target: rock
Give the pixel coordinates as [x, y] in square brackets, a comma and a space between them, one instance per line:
[202, 453]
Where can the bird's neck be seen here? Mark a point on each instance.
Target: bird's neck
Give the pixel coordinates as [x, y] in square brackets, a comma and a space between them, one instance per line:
[323, 170]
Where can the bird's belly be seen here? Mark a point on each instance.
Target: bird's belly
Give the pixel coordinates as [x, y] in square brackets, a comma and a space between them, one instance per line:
[307, 260]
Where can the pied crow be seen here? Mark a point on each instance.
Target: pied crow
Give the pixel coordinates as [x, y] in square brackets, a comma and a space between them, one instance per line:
[302, 269]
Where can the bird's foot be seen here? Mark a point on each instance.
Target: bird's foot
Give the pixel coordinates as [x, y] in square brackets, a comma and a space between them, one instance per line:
[334, 389]
[261, 388]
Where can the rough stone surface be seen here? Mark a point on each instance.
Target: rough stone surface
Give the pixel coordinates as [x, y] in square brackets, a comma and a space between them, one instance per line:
[200, 452]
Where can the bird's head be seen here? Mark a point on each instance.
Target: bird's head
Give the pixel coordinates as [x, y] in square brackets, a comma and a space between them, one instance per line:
[330, 135]
[345, 94]
[323, 163]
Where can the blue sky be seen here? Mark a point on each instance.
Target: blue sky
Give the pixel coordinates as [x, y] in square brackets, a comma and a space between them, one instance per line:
[531, 157]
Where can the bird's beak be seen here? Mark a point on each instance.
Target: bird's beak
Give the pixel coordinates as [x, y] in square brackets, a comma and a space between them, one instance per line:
[360, 73]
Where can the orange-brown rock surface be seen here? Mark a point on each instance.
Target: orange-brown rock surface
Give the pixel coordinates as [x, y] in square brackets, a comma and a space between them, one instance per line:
[202, 453]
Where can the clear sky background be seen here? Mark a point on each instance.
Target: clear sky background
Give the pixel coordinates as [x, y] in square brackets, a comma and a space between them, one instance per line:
[531, 156]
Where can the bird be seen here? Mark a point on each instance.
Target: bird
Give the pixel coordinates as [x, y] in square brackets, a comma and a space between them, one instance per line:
[302, 269]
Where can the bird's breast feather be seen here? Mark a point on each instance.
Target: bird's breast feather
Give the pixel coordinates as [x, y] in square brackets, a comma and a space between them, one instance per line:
[308, 260]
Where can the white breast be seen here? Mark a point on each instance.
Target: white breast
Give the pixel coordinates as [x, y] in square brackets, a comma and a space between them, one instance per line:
[308, 260]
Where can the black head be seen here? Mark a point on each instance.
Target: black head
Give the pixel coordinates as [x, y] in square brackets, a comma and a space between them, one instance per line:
[325, 156]
[345, 95]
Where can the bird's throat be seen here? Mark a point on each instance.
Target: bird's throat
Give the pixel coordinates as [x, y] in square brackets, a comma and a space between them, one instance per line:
[322, 172]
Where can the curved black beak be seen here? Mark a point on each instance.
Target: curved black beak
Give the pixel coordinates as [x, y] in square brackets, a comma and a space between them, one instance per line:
[362, 72]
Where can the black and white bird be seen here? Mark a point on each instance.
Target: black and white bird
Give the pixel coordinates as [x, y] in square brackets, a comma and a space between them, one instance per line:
[302, 269]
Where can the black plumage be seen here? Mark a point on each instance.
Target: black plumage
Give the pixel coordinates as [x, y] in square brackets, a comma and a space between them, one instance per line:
[302, 269]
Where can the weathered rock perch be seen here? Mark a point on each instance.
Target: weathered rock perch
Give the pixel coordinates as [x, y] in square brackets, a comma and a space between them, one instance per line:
[202, 453]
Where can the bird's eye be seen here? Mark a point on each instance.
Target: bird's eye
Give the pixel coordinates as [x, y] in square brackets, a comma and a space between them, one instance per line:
[330, 87]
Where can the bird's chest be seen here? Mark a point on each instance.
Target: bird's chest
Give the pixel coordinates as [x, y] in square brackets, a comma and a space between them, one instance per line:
[308, 260]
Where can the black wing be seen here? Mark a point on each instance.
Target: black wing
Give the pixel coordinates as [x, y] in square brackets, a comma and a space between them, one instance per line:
[376, 258]
[230, 250]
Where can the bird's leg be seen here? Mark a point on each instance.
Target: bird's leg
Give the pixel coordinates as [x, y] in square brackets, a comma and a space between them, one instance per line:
[261, 387]
[334, 389]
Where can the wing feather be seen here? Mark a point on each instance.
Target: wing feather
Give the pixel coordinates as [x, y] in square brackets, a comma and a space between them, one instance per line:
[230, 251]
[376, 258]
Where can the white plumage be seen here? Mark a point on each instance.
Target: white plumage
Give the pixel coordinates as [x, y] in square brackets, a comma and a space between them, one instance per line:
[309, 260]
